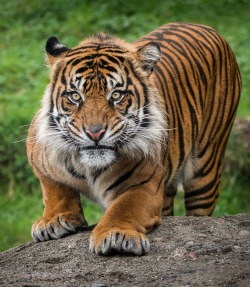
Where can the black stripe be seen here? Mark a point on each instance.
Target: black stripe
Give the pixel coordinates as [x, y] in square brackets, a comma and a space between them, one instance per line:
[159, 185]
[193, 48]
[113, 50]
[205, 198]
[70, 168]
[173, 80]
[201, 206]
[114, 59]
[132, 80]
[191, 91]
[128, 106]
[73, 132]
[110, 69]
[145, 121]
[58, 94]
[72, 124]
[171, 192]
[63, 79]
[99, 172]
[144, 181]
[82, 70]
[181, 143]
[55, 79]
[136, 92]
[79, 50]
[64, 108]
[202, 190]
[74, 173]
[115, 132]
[115, 124]
[162, 84]
[169, 165]
[124, 177]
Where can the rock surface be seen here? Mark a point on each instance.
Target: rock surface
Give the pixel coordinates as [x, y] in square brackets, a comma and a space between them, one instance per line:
[185, 251]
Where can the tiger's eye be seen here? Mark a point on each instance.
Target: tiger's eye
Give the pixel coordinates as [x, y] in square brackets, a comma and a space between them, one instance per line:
[116, 96]
[75, 98]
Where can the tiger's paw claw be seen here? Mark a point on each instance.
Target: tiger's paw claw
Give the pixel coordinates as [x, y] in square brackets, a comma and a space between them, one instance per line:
[119, 241]
[57, 227]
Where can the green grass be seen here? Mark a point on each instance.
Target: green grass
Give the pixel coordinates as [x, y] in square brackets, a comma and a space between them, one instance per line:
[24, 28]
[17, 214]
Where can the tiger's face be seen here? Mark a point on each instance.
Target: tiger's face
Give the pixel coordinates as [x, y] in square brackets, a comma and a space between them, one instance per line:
[101, 101]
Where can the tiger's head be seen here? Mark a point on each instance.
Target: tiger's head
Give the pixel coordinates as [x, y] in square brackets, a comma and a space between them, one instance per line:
[101, 101]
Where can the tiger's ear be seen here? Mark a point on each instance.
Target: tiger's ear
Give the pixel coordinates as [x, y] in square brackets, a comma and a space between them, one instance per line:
[54, 50]
[148, 56]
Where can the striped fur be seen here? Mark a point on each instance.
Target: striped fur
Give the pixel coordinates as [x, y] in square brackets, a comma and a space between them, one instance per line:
[126, 124]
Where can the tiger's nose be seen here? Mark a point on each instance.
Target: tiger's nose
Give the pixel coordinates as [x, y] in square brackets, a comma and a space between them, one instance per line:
[96, 132]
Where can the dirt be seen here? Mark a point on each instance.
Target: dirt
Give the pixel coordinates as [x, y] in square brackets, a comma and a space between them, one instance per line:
[185, 251]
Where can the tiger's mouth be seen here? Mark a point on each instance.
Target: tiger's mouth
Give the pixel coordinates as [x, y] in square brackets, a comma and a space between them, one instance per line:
[99, 147]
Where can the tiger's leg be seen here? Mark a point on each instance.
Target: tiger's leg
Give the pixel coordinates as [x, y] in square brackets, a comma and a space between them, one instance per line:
[202, 191]
[62, 215]
[123, 227]
[168, 201]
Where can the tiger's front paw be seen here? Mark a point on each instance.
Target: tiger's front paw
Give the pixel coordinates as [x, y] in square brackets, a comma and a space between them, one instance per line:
[57, 227]
[117, 240]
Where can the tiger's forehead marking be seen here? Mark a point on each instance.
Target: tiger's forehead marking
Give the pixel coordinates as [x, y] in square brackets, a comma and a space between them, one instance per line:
[77, 84]
[96, 48]
[95, 69]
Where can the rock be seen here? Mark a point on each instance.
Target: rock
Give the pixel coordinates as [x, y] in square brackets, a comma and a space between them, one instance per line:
[192, 255]
[244, 233]
[227, 248]
[202, 235]
[189, 243]
[245, 224]
[182, 257]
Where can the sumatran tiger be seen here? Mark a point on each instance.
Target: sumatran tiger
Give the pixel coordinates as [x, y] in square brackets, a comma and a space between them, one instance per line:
[125, 125]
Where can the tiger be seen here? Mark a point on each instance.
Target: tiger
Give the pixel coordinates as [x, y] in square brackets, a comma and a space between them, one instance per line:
[127, 124]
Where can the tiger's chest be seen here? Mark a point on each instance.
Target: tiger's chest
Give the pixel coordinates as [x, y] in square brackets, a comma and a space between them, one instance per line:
[93, 184]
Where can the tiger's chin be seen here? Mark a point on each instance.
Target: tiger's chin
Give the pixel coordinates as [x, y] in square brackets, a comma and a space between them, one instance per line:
[97, 158]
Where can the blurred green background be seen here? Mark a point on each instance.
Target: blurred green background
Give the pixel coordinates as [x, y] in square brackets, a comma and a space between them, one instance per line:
[24, 28]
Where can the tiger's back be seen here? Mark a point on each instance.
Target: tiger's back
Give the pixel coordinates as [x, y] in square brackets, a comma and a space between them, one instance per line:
[126, 124]
[200, 82]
